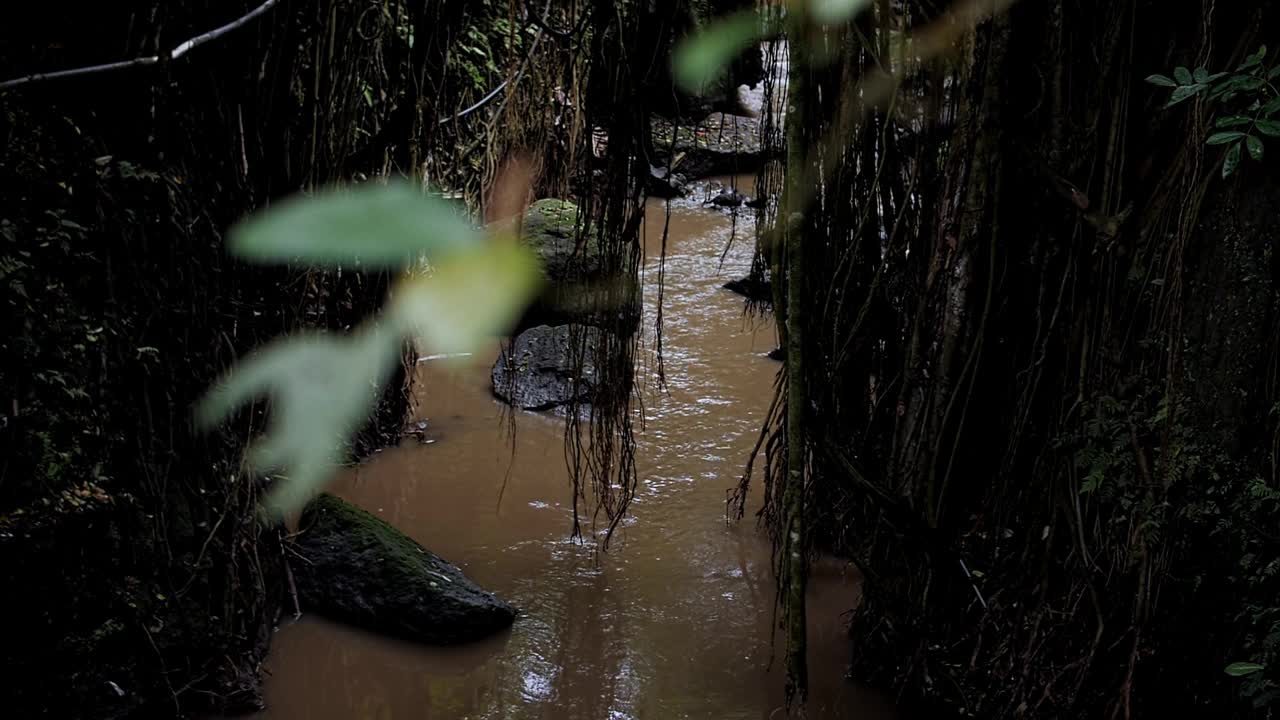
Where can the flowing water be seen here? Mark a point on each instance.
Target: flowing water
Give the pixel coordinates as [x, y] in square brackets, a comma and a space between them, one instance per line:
[672, 622]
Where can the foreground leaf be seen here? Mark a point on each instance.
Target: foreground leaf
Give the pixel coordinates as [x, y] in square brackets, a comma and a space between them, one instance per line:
[468, 299]
[378, 226]
[1240, 669]
[700, 59]
[830, 12]
[322, 388]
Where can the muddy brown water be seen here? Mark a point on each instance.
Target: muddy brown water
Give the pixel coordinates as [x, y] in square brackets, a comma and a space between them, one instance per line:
[672, 622]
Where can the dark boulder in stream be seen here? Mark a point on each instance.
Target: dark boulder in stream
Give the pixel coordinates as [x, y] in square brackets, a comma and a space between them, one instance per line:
[719, 144]
[728, 198]
[363, 571]
[537, 371]
[751, 288]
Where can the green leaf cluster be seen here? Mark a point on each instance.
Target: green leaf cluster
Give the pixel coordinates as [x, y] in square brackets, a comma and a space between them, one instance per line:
[1246, 99]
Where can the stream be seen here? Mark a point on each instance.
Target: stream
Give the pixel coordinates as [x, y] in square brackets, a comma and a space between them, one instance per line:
[673, 621]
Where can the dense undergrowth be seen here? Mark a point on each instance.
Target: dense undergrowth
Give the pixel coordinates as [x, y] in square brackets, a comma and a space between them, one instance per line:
[1044, 328]
[142, 573]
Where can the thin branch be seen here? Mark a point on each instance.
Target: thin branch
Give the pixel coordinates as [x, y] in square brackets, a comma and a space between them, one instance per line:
[513, 81]
[177, 52]
[480, 103]
[214, 34]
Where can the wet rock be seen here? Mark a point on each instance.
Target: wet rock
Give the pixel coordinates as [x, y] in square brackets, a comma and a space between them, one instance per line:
[666, 185]
[537, 371]
[362, 571]
[779, 354]
[576, 287]
[720, 144]
[728, 198]
[751, 288]
[551, 229]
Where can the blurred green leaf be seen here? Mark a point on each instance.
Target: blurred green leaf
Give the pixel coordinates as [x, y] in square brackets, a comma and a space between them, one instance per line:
[1161, 81]
[468, 299]
[1240, 669]
[1270, 128]
[380, 226]
[700, 59]
[1183, 76]
[830, 12]
[321, 388]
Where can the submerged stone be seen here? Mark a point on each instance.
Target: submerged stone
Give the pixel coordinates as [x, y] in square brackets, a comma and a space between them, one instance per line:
[363, 571]
[537, 371]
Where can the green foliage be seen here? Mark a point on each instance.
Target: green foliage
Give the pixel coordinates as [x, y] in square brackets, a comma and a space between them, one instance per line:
[1259, 566]
[484, 48]
[1220, 503]
[324, 387]
[701, 59]
[370, 225]
[1246, 104]
[830, 12]
[487, 42]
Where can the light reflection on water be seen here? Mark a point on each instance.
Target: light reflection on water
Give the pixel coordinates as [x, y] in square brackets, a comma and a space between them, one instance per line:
[673, 622]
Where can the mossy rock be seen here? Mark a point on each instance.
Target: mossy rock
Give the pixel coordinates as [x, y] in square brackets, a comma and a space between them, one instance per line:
[551, 229]
[576, 288]
[363, 571]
